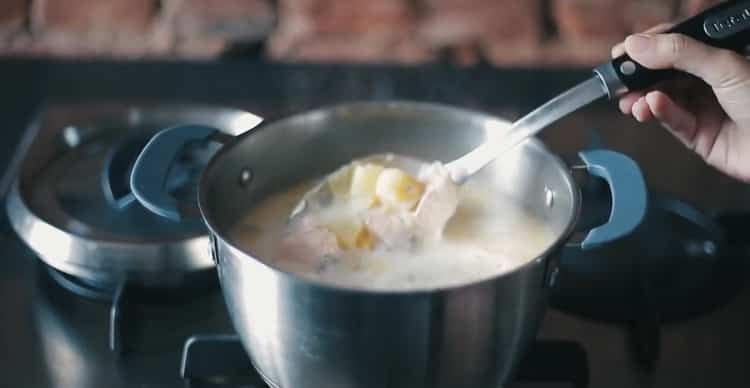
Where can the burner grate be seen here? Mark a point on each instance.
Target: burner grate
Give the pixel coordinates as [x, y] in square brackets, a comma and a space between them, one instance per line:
[89, 290]
[548, 364]
[123, 296]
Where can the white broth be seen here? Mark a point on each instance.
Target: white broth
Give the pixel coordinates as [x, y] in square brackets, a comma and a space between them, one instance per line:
[489, 234]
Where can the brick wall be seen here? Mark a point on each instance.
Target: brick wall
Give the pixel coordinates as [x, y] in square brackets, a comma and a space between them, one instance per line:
[464, 32]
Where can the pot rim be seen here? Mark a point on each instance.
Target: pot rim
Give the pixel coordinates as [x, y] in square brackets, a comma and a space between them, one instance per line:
[534, 142]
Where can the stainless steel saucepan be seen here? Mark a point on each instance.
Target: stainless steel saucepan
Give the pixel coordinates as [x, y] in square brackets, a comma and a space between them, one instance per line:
[301, 333]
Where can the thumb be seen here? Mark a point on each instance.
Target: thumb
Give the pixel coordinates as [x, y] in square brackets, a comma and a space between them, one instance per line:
[717, 67]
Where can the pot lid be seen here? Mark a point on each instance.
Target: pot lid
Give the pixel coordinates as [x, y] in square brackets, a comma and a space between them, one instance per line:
[71, 202]
[85, 189]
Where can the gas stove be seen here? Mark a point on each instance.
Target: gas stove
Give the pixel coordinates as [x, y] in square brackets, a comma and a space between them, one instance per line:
[619, 328]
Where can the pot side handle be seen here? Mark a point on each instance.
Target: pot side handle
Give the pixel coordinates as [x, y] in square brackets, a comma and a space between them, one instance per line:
[150, 173]
[629, 196]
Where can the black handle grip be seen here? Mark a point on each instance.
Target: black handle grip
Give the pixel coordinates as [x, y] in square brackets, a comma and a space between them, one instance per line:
[726, 26]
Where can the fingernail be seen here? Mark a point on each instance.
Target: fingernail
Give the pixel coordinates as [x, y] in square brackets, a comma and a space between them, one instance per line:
[637, 110]
[638, 42]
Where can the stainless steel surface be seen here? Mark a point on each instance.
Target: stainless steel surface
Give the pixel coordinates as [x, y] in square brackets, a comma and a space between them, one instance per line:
[498, 143]
[57, 207]
[300, 333]
[607, 75]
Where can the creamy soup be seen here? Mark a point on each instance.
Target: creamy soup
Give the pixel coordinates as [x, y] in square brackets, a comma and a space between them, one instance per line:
[488, 234]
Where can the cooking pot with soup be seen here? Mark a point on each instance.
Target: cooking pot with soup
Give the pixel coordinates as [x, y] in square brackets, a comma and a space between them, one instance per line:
[458, 312]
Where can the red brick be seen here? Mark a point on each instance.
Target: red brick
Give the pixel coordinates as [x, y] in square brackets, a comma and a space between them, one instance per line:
[642, 15]
[586, 20]
[554, 53]
[693, 7]
[347, 31]
[13, 14]
[382, 18]
[109, 17]
[564, 53]
[452, 22]
[607, 21]
[91, 46]
[234, 20]
[509, 53]
[200, 49]
[466, 54]
[340, 49]
[281, 44]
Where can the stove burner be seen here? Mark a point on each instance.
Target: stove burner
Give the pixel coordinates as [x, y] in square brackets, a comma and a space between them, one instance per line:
[123, 295]
[87, 289]
[222, 360]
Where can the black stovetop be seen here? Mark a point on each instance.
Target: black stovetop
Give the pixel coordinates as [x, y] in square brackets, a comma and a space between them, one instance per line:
[52, 337]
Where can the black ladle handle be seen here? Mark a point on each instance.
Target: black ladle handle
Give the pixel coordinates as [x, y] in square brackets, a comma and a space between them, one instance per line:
[726, 26]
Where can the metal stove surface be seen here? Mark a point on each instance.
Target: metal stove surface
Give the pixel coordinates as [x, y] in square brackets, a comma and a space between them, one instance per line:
[50, 337]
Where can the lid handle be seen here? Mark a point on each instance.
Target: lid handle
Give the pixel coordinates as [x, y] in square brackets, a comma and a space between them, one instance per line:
[115, 175]
[118, 165]
[150, 176]
[628, 191]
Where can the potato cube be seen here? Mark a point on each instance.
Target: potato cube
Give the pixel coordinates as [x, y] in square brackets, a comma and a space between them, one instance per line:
[397, 189]
[351, 234]
[364, 179]
[340, 181]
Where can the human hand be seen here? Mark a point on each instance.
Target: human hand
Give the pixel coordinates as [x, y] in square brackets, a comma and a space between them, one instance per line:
[710, 111]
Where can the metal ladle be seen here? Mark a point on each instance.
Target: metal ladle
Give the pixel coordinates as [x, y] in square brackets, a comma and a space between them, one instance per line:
[724, 26]
[463, 168]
